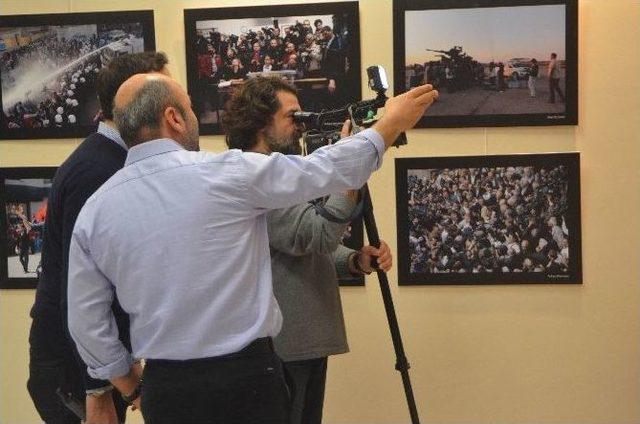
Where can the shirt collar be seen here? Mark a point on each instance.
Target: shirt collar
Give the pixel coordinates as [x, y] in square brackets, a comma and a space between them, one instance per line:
[151, 148]
[112, 134]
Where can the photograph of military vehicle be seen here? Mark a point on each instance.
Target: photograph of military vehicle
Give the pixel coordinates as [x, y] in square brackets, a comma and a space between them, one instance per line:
[489, 64]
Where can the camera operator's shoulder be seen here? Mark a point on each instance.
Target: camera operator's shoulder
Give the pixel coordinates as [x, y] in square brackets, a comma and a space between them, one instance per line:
[227, 156]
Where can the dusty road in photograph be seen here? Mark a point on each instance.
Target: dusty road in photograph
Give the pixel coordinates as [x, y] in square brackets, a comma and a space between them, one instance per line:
[482, 101]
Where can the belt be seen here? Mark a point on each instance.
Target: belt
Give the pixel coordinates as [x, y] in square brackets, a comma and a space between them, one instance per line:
[256, 347]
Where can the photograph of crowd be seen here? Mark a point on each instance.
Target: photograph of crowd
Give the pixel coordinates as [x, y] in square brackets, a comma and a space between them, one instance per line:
[491, 65]
[510, 220]
[24, 211]
[48, 72]
[313, 46]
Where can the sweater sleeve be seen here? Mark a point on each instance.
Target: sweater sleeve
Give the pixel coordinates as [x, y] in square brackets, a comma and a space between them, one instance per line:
[341, 259]
[300, 230]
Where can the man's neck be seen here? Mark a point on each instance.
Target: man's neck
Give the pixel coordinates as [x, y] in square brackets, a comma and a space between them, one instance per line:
[110, 123]
[261, 147]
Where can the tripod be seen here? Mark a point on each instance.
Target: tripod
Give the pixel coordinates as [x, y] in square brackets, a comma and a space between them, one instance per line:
[402, 365]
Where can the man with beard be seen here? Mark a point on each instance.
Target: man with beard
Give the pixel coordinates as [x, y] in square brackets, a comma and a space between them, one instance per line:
[181, 237]
[307, 258]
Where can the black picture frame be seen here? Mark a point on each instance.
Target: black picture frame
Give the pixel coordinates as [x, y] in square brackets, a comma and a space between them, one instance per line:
[123, 32]
[209, 98]
[29, 196]
[353, 240]
[550, 187]
[475, 104]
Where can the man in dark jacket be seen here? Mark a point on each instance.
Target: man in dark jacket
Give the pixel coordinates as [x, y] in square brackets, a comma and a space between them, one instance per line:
[54, 361]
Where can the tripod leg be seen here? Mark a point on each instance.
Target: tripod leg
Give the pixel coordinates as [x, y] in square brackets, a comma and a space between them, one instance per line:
[402, 365]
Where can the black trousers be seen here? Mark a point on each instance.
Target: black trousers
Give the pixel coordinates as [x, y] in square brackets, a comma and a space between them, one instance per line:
[24, 259]
[52, 365]
[307, 379]
[247, 387]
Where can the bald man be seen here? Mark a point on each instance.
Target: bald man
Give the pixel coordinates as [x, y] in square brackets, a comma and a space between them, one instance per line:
[180, 237]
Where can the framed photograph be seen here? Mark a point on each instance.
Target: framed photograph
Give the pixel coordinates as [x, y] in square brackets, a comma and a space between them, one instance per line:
[353, 238]
[24, 193]
[489, 219]
[494, 62]
[314, 46]
[49, 66]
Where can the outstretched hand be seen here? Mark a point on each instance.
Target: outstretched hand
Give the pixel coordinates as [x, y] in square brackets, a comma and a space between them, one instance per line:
[402, 112]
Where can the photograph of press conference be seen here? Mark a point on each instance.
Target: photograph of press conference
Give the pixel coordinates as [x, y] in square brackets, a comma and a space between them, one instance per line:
[317, 53]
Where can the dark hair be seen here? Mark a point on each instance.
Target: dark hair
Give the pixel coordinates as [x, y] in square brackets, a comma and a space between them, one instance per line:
[251, 109]
[121, 69]
[145, 111]
[553, 55]
[316, 22]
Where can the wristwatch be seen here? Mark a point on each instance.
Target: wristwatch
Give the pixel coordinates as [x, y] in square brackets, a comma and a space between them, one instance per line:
[357, 266]
[99, 391]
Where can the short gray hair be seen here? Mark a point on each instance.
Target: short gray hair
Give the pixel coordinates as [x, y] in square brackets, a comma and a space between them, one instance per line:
[145, 111]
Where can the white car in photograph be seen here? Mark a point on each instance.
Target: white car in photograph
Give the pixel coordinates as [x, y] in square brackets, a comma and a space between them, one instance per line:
[517, 68]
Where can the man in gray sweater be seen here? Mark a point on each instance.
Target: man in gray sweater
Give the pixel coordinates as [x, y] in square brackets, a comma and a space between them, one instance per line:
[306, 259]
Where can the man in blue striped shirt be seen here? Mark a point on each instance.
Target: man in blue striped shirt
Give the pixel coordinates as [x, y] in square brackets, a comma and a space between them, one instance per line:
[180, 237]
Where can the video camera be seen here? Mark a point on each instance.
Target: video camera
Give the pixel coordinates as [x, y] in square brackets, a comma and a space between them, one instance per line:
[324, 127]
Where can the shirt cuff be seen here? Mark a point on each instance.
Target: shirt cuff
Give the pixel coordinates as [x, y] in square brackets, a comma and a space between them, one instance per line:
[376, 139]
[115, 369]
[92, 384]
[99, 389]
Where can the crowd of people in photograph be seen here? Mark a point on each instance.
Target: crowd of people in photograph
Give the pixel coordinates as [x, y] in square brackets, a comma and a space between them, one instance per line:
[54, 97]
[309, 51]
[24, 236]
[483, 220]
[314, 58]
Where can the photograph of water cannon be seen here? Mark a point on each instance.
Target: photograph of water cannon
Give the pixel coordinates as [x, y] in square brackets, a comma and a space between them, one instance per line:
[49, 66]
[489, 219]
[315, 46]
[24, 193]
[494, 62]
